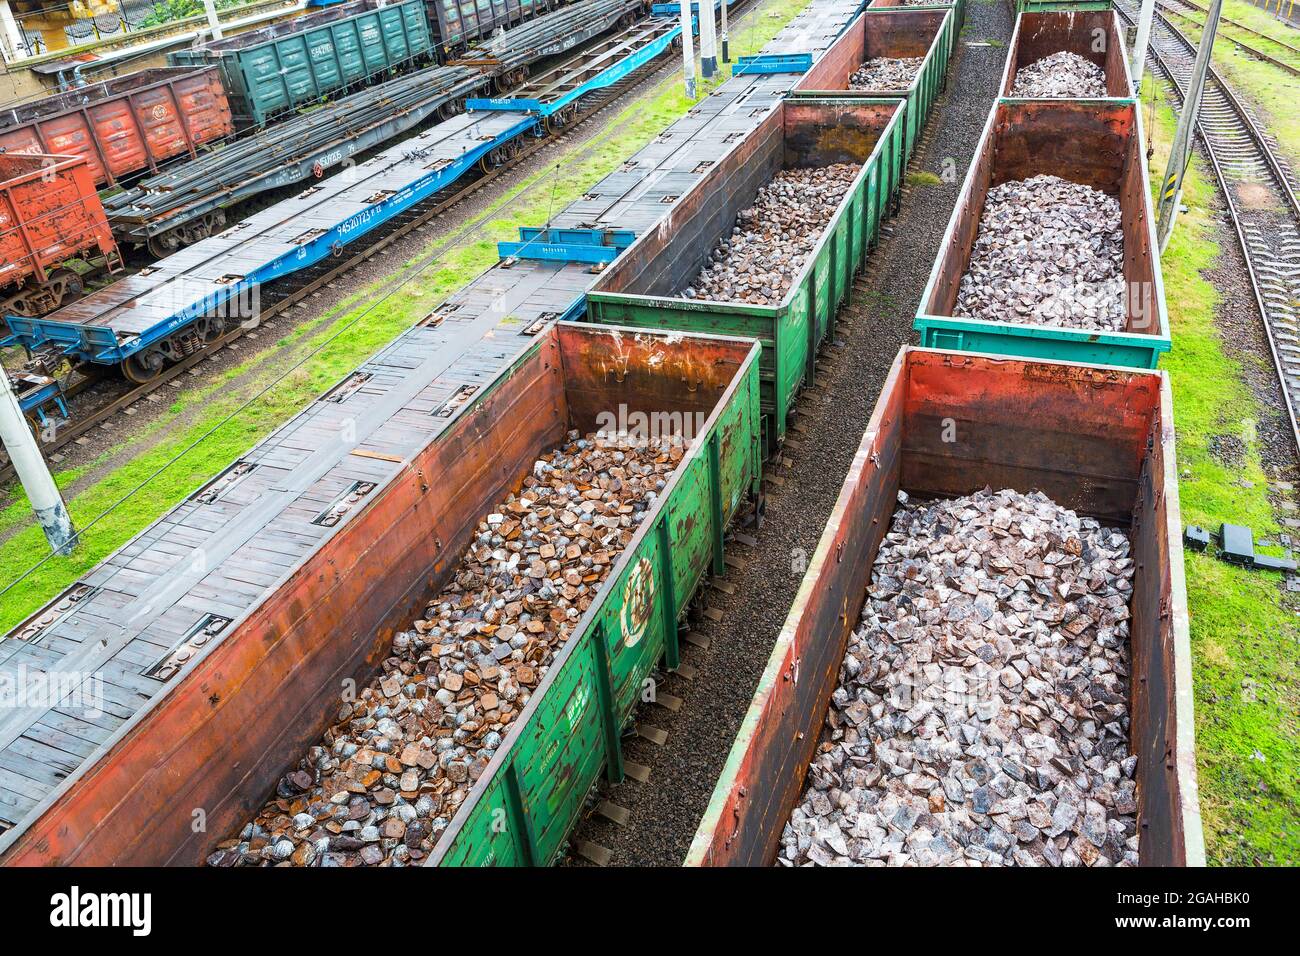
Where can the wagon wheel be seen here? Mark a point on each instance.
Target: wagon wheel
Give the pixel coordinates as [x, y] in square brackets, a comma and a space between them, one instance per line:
[143, 366]
[71, 284]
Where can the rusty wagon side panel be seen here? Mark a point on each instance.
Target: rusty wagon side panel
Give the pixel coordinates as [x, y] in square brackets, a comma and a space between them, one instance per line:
[49, 214]
[1099, 440]
[127, 124]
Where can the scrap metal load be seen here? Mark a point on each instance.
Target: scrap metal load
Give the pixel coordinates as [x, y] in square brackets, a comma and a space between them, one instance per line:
[982, 712]
[886, 73]
[1060, 74]
[396, 765]
[1048, 252]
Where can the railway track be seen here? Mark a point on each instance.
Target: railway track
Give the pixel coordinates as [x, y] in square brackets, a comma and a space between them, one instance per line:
[289, 292]
[1260, 190]
[1181, 8]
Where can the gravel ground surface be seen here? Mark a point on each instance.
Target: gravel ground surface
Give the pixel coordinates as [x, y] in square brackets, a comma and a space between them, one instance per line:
[665, 811]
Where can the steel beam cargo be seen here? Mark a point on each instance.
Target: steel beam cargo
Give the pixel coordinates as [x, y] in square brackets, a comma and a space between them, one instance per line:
[50, 215]
[272, 71]
[642, 288]
[893, 32]
[218, 730]
[1096, 440]
[1040, 34]
[124, 125]
[1094, 142]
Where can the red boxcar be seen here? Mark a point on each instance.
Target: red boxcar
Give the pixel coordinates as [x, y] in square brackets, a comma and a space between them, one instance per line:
[50, 213]
[124, 125]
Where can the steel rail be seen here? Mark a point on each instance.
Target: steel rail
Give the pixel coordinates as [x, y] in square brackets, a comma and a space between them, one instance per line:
[1241, 155]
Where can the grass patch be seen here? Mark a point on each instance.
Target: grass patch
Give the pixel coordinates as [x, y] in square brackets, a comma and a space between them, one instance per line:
[1244, 636]
[920, 177]
[157, 478]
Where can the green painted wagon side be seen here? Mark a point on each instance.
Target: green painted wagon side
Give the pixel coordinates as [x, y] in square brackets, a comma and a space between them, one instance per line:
[641, 288]
[1095, 142]
[1043, 6]
[958, 8]
[273, 71]
[523, 807]
[889, 32]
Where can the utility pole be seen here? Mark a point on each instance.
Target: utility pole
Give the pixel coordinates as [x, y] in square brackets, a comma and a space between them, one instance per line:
[708, 40]
[1171, 193]
[30, 467]
[688, 50]
[726, 49]
[213, 23]
[1145, 16]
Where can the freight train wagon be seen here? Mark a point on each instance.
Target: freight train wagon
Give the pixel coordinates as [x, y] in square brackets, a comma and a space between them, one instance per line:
[50, 215]
[1094, 35]
[958, 8]
[274, 70]
[1097, 143]
[1097, 440]
[1066, 6]
[209, 695]
[644, 286]
[124, 125]
[894, 32]
[459, 24]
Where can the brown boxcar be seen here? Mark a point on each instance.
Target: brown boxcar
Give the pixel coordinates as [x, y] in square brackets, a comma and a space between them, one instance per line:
[1096, 439]
[1092, 34]
[50, 214]
[124, 125]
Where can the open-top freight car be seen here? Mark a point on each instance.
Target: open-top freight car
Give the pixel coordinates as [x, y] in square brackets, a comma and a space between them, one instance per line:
[958, 8]
[894, 33]
[1094, 35]
[1066, 6]
[50, 215]
[1099, 144]
[208, 696]
[1096, 440]
[274, 70]
[124, 125]
[644, 286]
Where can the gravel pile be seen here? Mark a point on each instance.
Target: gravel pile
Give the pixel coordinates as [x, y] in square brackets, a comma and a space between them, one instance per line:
[1062, 74]
[886, 73]
[981, 716]
[771, 240]
[1048, 252]
[395, 766]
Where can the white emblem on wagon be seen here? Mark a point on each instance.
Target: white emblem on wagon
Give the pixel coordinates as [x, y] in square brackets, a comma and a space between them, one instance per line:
[638, 602]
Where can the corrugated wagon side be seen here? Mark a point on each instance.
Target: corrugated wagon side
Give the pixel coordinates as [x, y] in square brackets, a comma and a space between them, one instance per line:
[1097, 143]
[1094, 35]
[126, 124]
[245, 707]
[1097, 440]
[642, 288]
[272, 71]
[890, 32]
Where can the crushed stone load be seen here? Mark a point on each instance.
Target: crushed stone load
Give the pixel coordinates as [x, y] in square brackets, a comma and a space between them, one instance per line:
[767, 247]
[1062, 74]
[397, 763]
[886, 73]
[1048, 252]
[981, 717]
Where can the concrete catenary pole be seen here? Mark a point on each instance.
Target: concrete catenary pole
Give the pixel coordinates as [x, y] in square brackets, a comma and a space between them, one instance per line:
[726, 47]
[36, 479]
[1145, 16]
[688, 50]
[1171, 192]
[708, 39]
[214, 24]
